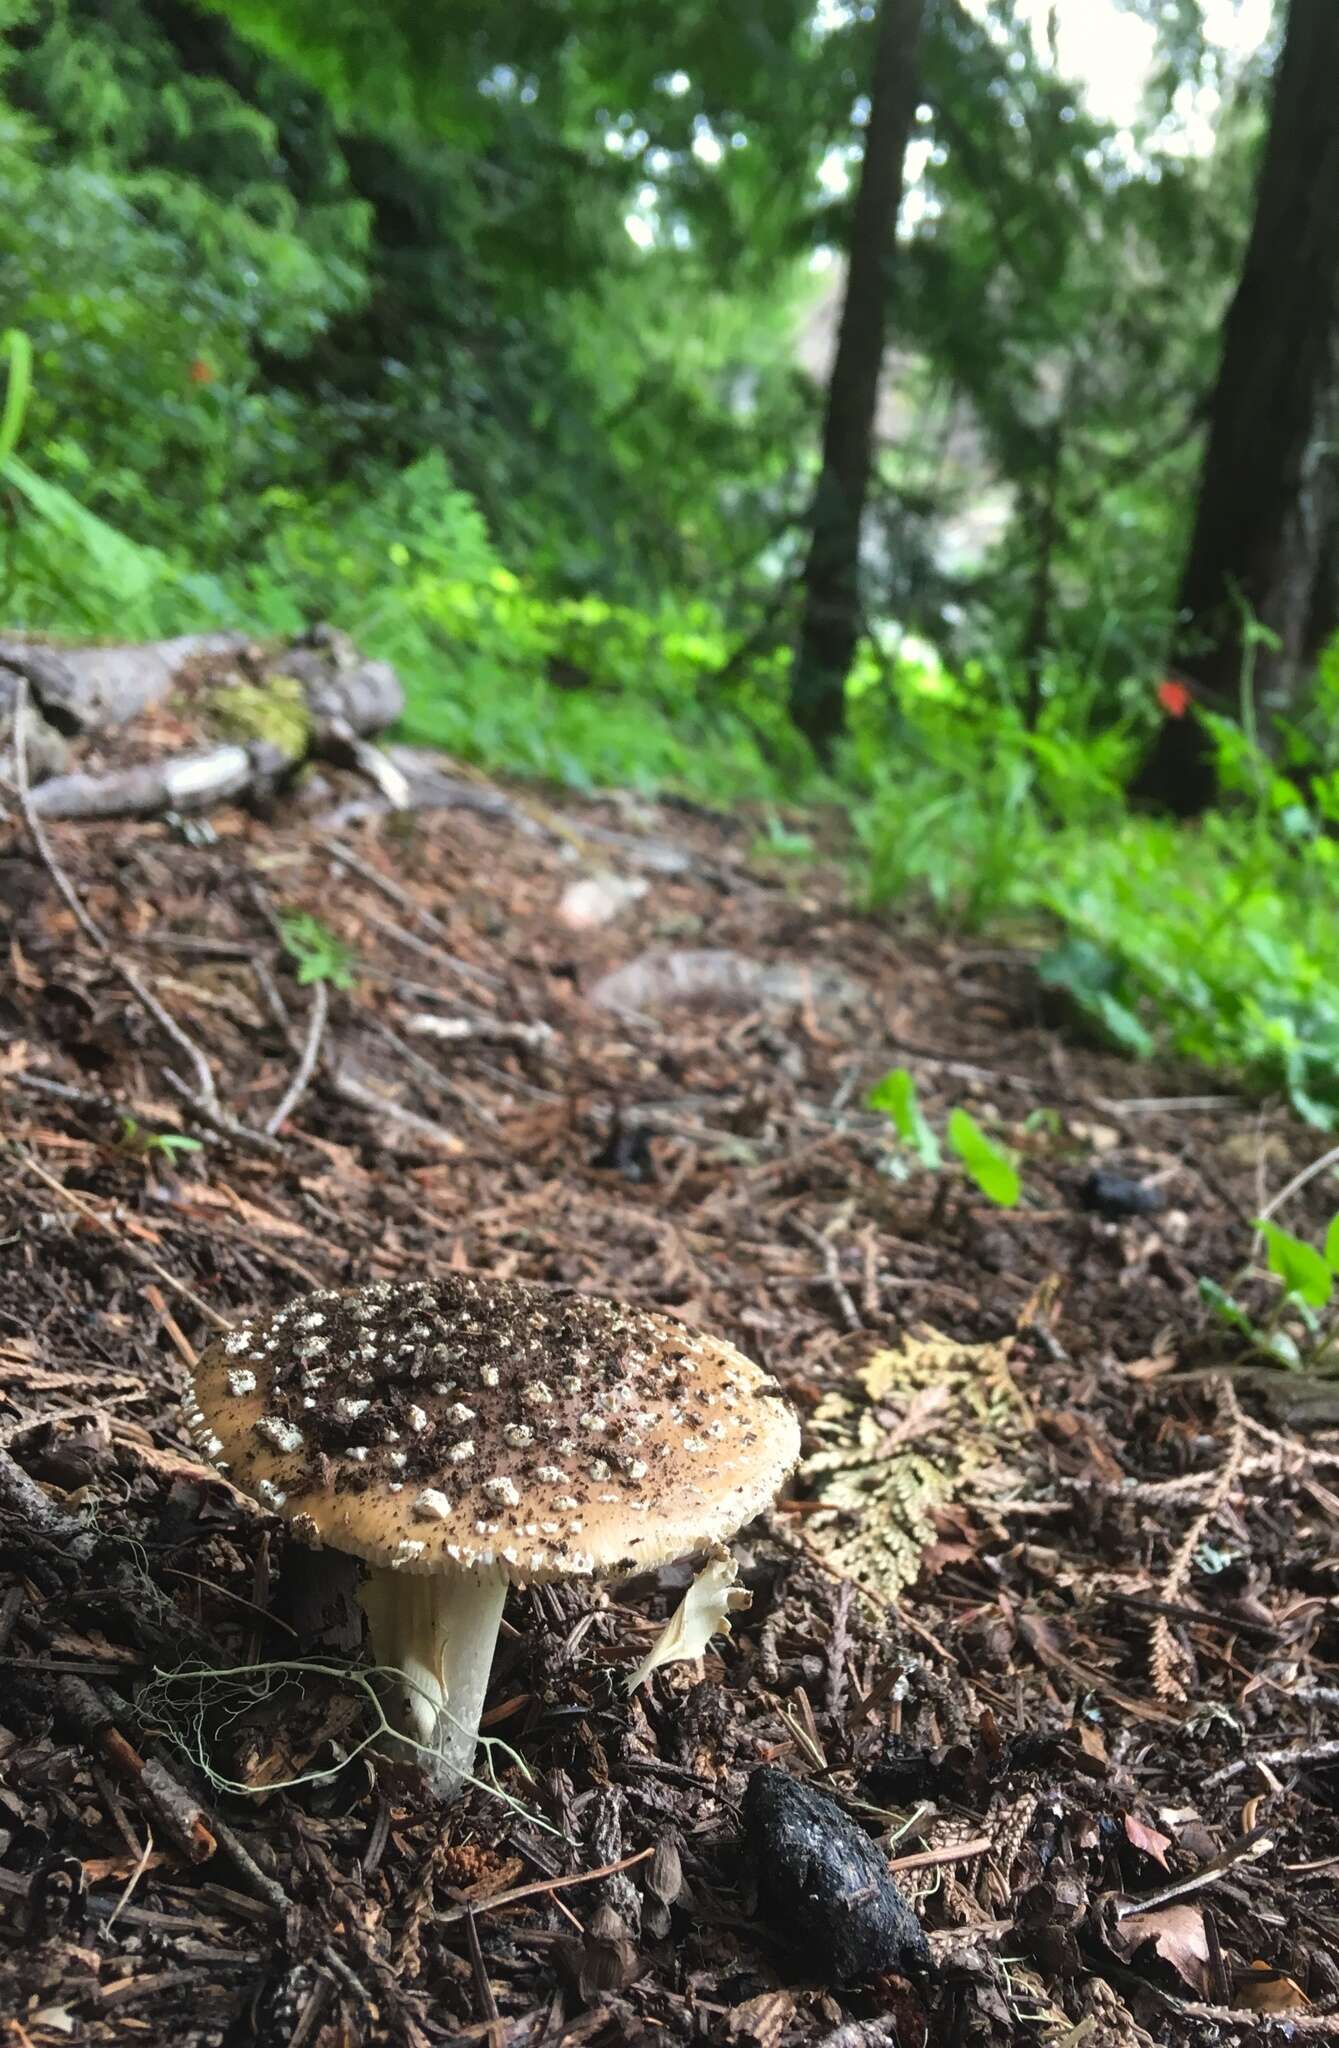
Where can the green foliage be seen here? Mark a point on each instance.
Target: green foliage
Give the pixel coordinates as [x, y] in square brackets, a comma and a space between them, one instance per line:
[275, 711]
[141, 1144]
[1218, 942]
[896, 1096]
[1306, 1280]
[983, 1161]
[17, 348]
[319, 955]
[1297, 1264]
[574, 689]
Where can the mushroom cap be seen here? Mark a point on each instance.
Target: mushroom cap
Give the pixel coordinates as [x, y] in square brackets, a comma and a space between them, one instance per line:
[466, 1423]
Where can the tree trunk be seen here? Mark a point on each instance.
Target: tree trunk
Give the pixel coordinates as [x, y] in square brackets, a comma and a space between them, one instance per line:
[1266, 534]
[830, 626]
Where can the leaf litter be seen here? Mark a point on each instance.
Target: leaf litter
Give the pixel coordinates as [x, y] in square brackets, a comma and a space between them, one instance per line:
[1049, 1616]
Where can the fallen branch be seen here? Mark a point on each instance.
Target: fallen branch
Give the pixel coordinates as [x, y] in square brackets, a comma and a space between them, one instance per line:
[827, 1251]
[182, 782]
[306, 1066]
[496, 1031]
[350, 1089]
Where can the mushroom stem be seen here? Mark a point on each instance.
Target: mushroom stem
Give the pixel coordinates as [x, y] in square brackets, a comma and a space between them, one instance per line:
[440, 1630]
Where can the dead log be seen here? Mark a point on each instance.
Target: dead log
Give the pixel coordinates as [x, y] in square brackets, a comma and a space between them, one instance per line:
[181, 782]
[87, 689]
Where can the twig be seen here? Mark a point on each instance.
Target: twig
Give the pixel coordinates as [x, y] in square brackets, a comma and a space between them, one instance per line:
[21, 1495]
[165, 1022]
[544, 1884]
[396, 894]
[1321, 2025]
[1300, 1753]
[204, 1097]
[127, 1245]
[839, 1642]
[1259, 1842]
[827, 1251]
[306, 1066]
[952, 1852]
[499, 1030]
[1293, 1187]
[350, 1089]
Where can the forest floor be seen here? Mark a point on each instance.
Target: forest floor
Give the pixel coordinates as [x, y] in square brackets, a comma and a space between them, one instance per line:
[1090, 1710]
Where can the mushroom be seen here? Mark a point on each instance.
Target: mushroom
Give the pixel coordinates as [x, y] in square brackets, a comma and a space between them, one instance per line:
[462, 1435]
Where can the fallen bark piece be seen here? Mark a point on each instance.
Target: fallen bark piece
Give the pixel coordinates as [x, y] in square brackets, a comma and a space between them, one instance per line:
[670, 980]
[827, 1884]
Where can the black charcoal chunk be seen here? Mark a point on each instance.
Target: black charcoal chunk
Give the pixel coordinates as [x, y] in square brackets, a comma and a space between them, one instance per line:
[1114, 1194]
[826, 1885]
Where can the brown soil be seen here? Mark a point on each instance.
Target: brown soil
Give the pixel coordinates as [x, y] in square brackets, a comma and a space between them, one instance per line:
[1096, 1732]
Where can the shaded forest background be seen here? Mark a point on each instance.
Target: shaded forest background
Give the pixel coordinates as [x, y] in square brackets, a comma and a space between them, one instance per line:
[479, 333]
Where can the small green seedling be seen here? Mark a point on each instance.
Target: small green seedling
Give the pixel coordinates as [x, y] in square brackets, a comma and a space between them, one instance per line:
[320, 956]
[981, 1159]
[1303, 1270]
[1306, 1278]
[142, 1144]
[896, 1096]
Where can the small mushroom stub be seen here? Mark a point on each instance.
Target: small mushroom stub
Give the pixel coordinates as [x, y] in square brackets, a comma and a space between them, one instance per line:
[464, 1434]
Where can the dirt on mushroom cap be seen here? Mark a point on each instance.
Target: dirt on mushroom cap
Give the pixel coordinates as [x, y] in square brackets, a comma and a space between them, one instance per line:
[466, 1421]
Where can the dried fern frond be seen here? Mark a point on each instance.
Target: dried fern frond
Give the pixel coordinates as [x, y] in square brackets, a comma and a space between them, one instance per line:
[927, 1416]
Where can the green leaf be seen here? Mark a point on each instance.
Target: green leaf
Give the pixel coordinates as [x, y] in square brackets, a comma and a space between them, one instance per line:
[15, 344]
[1226, 1308]
[896, 1096]
[1332, 1245]
[320, 956]
[983, 1161]
[1297, 1264]
[1275, 1344]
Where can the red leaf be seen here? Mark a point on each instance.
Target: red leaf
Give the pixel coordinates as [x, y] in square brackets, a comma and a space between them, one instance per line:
[1175, 698]
[1148, 1839]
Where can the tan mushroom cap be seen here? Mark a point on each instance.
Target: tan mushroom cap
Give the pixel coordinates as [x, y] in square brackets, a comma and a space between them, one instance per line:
[465, 1423]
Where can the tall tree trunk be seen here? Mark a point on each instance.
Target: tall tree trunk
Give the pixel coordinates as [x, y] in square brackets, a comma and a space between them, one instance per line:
[830, 626]
[1266, 532]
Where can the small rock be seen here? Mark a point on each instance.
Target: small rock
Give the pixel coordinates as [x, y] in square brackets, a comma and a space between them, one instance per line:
[827, 1884]
[1114, 1195]
[598, 899]
[715, 978]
